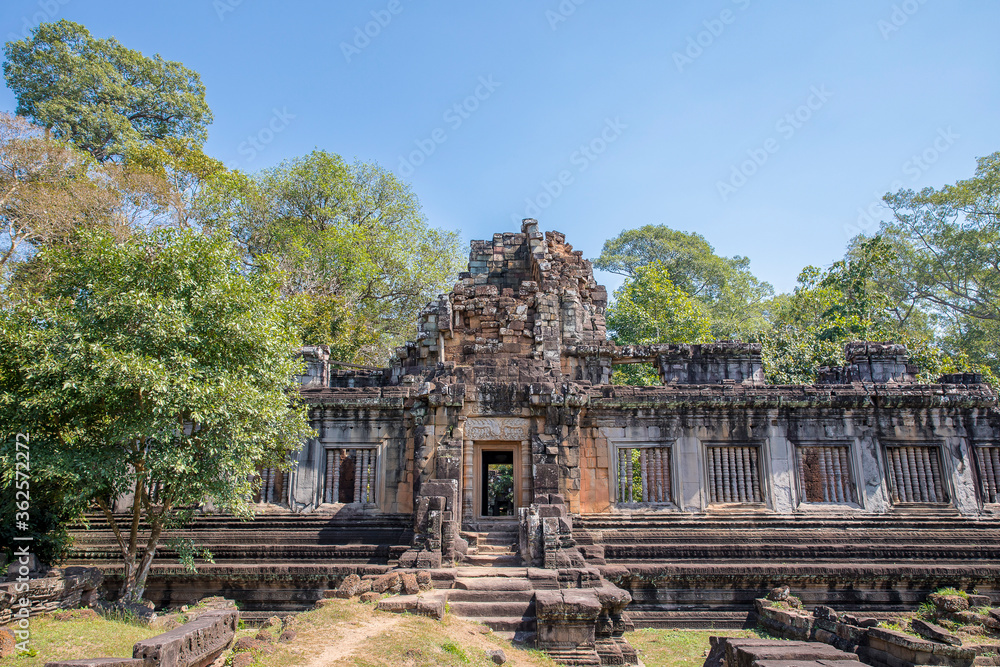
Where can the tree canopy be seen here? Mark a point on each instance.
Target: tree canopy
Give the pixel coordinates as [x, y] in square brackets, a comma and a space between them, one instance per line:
[100, 95]
[946, 244]
[732, 295]
[359, 257]
[152, 365]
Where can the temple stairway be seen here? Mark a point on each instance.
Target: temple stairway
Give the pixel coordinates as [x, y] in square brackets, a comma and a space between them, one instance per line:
[502, 598]
[492, 544]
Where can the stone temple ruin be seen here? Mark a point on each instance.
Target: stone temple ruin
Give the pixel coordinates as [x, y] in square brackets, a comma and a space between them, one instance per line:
[495, 454]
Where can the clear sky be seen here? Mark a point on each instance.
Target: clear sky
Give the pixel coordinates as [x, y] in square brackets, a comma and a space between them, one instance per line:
[768, 127]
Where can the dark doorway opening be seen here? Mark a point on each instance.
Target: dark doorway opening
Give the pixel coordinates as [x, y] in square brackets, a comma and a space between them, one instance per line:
[498, 483]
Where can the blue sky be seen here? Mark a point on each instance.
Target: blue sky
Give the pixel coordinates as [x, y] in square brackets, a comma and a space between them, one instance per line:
[767, 127]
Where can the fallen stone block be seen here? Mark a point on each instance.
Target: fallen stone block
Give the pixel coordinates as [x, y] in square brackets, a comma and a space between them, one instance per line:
[387, 583]
[934, 632]
[195, 643]
[747, 652]
[409, 584]
[349, 587]
[7, 642]
[949, 603]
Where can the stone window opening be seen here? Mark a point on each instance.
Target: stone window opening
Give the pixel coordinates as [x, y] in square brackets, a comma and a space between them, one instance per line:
[351, 475]
[825, 473]
[734, 474]
[273, 486]
[915, 474]
[644, 474]
[988, 458]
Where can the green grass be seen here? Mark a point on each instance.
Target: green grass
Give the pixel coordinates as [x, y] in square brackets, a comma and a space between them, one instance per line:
[678, 648]
[80, 638]
[952, 591]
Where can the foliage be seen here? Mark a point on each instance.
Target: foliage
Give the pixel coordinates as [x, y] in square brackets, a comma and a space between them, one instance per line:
[360, 259]
[947, 248]
[151, 365]
[47, 192]
[53, 506]
[649, 309]
[101, 96]
[732, 295]
[847, 302]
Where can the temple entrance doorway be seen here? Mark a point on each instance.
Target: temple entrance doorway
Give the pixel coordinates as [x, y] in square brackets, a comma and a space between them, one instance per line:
[497, 484]
[497, 481]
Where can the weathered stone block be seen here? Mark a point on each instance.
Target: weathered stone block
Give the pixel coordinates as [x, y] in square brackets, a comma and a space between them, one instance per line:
[195, 643]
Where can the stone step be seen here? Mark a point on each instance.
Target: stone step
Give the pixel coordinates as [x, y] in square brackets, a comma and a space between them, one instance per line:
[507, 624]
[472, 572]
[491, 583]
[494, 549]
[486, 596]
[491, 608]
[492, 560]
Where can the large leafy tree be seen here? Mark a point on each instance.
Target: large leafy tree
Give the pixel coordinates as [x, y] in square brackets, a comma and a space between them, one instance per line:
[47, 192]
[100, 95]
[359, 257]
[947, 248]
[649, 309]
[154, 368]
[849, 301]
[732, 295]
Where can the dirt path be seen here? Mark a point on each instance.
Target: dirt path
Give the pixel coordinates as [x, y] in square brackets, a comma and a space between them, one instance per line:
[357, 635]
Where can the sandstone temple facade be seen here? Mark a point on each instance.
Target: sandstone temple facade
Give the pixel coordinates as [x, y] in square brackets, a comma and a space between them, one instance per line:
[497, 439]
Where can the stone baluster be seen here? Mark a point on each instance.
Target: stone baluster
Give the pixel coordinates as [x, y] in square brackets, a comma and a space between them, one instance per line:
[741, 476]
[644, 471]
[628, 468]
[657, 490]
[357, 475]
[338, 454]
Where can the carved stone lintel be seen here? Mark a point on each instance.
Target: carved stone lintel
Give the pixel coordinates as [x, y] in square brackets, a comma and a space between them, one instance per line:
[496, 428]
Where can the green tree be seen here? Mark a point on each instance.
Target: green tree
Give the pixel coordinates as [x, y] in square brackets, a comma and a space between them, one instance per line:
[732, 295]
[360, 259]
[946, 244]
[848, 302]
[151, 367]
[649, 309]
[100, 95]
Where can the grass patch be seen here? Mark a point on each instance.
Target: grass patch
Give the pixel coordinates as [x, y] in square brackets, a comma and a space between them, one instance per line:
[678, 648]
[81, 637]
[952, 591]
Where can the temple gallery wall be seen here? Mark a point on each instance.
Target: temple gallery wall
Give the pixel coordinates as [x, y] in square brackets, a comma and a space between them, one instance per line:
[496, 439]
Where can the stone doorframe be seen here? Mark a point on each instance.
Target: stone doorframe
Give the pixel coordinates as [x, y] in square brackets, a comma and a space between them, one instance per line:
[498, 433]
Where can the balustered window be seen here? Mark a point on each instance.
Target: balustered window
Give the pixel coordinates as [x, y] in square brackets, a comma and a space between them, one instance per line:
[915, 474]
[351, 475]
[988, 458]
[644, 474]
[734, 474]
[825, 473]
[273, 486]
